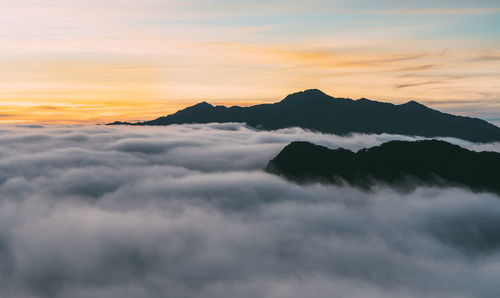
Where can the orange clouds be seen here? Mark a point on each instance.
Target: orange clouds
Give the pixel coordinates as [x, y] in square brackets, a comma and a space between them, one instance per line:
[132, 88]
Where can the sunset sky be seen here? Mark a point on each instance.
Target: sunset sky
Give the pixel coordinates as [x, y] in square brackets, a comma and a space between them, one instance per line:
[93, 61]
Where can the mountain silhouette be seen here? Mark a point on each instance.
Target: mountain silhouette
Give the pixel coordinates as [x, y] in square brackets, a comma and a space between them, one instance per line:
[397, 163]
[315, 110]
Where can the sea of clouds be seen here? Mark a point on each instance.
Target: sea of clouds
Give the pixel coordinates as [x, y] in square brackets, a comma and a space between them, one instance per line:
[187, 211]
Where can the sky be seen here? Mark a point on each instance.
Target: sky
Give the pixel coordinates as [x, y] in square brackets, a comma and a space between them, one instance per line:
[93, 61]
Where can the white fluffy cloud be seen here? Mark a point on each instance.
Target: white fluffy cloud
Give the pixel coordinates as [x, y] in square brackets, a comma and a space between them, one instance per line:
[186, 211]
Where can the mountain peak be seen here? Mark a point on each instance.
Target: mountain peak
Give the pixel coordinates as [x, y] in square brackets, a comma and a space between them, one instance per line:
[414, 105]
[313, 92]
[203, 104]
[308, 95]
[309, 92]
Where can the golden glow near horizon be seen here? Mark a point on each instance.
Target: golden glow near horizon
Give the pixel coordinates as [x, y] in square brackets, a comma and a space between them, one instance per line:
[96, 61]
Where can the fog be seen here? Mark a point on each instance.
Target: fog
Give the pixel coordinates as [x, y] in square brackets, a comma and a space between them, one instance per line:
[187, 211]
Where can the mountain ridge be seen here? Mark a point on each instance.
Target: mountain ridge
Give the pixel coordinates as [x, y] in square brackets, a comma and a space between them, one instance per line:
[395, 163]
[314, 110]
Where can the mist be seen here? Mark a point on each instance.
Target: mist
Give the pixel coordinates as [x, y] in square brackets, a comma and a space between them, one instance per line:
[187, 211]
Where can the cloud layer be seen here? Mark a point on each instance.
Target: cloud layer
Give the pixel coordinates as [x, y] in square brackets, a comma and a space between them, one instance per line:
[186, 211]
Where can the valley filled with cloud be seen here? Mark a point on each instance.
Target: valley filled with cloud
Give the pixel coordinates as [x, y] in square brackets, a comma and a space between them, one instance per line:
[188, 211]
